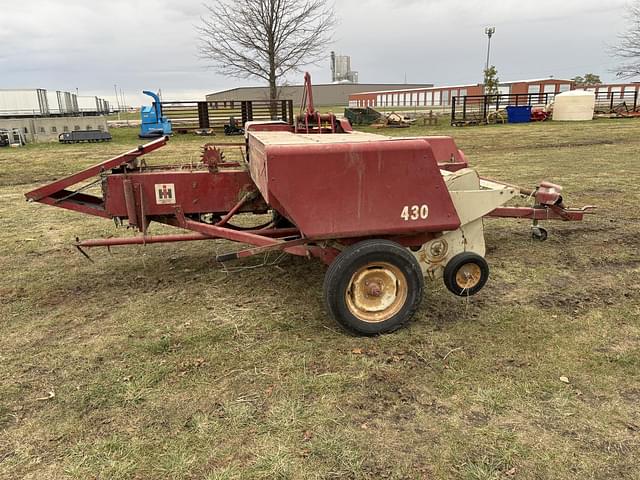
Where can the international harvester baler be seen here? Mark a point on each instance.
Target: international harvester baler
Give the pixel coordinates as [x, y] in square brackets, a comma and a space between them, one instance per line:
[383, 213]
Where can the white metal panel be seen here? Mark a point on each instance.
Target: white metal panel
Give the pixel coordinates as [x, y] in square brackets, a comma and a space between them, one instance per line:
[62, 103]
[533, 89]
[87, 104]
[436, 97]
[414, 98]
[22, 102]
[550, 88]
[54, 103]
[421, 98]
[564, 87]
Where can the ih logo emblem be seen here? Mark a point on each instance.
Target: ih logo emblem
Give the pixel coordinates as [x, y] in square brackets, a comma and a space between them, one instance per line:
[165, 193]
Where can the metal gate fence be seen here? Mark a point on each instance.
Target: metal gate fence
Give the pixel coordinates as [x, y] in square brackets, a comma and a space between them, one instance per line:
[215, 115]
[478, 109]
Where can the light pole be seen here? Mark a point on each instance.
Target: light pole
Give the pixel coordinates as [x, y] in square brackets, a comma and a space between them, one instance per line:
[489, 31]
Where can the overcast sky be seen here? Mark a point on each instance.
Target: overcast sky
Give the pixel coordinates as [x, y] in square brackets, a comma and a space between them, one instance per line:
[150, 44]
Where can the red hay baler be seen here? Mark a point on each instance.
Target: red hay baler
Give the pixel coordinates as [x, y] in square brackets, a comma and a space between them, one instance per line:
[383, 213]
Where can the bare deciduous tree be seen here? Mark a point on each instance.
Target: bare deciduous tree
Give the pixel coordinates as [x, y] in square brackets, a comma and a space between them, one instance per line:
[266, 39]
[629, 46]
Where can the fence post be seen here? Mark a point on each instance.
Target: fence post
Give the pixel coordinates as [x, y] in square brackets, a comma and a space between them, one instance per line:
[611, 103]
[464, 108]
[453, 109]
[203, 115]
[635, 100]
[485, 105]
[243, 112]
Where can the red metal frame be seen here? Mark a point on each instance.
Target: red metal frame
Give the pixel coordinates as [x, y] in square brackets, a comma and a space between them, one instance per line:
[235, 192]
[311, 121]
[336, 192]
[542, 212]
[549, 204]
[56, 193]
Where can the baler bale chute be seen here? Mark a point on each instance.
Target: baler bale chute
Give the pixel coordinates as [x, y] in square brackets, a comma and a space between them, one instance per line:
[382, 212]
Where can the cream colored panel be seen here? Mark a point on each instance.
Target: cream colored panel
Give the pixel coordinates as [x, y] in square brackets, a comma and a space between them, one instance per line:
[474, 204]
[435, 254]
[464, 179]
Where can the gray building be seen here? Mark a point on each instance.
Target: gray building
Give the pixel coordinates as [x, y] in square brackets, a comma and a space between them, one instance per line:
[47, 129]
[331, 94]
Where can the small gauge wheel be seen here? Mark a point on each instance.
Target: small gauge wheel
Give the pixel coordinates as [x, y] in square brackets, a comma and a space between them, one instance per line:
[465, 274]
[539, 234]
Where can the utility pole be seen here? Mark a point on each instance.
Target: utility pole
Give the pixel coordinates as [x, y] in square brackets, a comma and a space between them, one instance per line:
[115, 88]
[489, 31]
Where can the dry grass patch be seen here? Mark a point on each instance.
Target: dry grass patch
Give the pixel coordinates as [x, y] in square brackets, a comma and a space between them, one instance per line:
[162, 364]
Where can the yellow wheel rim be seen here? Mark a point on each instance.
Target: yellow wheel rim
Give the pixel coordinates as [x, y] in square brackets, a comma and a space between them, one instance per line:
[376, 292]
[468, 276]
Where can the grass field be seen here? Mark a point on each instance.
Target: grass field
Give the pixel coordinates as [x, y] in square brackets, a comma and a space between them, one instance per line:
[155, 362]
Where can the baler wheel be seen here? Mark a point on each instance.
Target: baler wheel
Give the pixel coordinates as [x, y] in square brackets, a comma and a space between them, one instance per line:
[465, 274]
[373, 287]
[539, 233]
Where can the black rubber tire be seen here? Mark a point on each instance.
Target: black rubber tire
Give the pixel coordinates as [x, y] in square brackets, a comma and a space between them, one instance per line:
[340, 272]
[454, 265]
[538, 233]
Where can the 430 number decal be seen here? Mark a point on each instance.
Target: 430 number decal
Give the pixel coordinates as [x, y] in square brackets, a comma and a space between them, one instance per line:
[414, 212]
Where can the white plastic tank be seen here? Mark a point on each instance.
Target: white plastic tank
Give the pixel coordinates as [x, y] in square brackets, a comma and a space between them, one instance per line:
[574, 105]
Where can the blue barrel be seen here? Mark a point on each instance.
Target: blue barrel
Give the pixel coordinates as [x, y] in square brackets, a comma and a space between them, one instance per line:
[519, 114]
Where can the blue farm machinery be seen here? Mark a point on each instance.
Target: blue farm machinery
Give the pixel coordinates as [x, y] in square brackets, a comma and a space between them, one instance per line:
[154, 124]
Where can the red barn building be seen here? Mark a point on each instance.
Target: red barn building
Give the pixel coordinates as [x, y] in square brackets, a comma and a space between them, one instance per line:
[617, 89]
[441, 96]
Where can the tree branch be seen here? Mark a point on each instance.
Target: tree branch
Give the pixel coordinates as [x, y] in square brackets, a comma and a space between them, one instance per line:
[265, 39]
